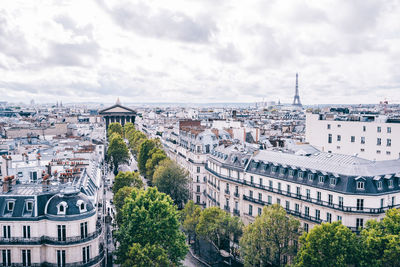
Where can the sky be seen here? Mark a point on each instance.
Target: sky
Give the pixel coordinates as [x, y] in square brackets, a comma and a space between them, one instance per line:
[200, 51]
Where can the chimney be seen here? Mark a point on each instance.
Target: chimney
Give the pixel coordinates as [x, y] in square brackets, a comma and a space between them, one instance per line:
[7, 183]
[38, 159]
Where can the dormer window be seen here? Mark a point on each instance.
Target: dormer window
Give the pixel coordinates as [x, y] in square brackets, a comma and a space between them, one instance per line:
[282, 171]
[310, 177]
[332, 181]
[390, 183]
[379, 185]
[291, 172]
[321, 179]
[29, 206]
[273, 170]
[300, 175]
[62, 208]
[10, 205]
[81, 205]
[360, 185]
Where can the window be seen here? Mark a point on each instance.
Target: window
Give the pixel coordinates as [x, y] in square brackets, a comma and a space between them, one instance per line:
[378, 152]
[60, 258]
[6, 255]
[328, 126]
[388, 142]
[300, 175]
[332, 181]
[250, 210]
[278, 201]
[306, 227]
[84, 230]
[251, 179]
[287, 205]
[269, 200]
[360, 204]
[360, 184]
[379, 129]
[328, 217]
[359, 223]
[279, 187]
[259, 211]
[297, 208]
[291, 172]
[330, 138]
[26, 231]
[20, 174]
[6, 231]
[390, 183]
[197, 199]
[198, 169]
[319, 196]
[61, 233]
[251, 193]
[340, 200]
[307, 211]
[261, 181]
[62, 206]
[339, 138]
[198, 179]
[339, 218]
[260, 196]
[270, 185]
[382, 201]
[393, 201]
[339, 125]
[198, 189]
[26, 257]
[388, 153]
[362, 140]
[362, 150]
[317, 214]
[308, 194]
[310, 177]
[352, 139]
[330, 199]
[86, 254]
[378, 141]
[379, 185]
[298, 192]
[389, 129]
[282, 171]
[288, 189]
[273, 169]
[321, 179]
[33, 175]
[10, 206]
[29, 206]
[364, 128]
[237, 190]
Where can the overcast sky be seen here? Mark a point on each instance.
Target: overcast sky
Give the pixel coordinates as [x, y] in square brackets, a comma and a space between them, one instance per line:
[200, 50]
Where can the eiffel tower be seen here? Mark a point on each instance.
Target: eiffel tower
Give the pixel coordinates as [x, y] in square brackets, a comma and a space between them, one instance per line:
[296, 100]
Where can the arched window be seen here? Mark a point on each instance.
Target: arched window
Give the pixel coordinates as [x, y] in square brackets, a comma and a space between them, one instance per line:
[81, 205]
[62, 208]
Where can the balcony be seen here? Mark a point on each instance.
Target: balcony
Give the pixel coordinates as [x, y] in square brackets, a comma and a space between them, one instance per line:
[236, 194]
[227, 192]
[227, 208]
[50, 240]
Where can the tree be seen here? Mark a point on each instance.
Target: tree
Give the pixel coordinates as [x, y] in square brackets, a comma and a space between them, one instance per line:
[157, 155]
[136, 139]
[114, 127]
[381, 241]
[173, 180]
[219, 228]
[149, 231]
[144, 155]
[117, 151]
[119, 200]
[328, 244]
[129, 128]
[126, 179]
[190, 217]
[271, 236]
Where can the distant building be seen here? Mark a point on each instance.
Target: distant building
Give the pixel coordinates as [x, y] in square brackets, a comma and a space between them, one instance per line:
[373, 137]
[118, 113]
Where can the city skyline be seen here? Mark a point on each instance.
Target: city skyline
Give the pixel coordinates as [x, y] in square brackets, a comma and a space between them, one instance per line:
[171, 52]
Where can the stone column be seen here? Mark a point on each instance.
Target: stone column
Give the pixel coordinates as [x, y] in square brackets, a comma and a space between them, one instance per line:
[122, 120]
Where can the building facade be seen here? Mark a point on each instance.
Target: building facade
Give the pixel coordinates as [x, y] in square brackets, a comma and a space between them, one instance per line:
[367, 136]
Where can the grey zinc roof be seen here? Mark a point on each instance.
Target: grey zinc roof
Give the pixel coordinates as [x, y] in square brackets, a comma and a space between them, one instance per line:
[331, 163]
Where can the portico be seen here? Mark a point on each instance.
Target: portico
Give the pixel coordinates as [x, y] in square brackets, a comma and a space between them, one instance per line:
[118, 113]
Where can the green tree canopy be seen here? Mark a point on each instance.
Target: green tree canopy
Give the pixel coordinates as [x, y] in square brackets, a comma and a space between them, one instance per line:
[173, 180]
[114, 127]
[381, 241]
[117, 151]
[144, 154]
[272, 235]
[149, 231]
[219, 228]
[119, 201]
[136, 139]
[129, 128]
[190, 217]
[328, 244]
[157, 155]
[126, 179]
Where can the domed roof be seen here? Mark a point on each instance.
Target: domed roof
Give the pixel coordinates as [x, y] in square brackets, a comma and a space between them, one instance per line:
[71, 201]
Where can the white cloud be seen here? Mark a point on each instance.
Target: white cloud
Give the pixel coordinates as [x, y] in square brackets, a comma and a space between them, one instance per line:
[202, 51]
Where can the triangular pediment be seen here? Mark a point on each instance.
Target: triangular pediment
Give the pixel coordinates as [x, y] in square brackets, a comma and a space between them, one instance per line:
[117, 109]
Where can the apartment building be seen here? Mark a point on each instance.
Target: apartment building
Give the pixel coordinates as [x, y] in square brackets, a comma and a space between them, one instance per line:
[371, 137]
[46, 225]
[315, 188]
